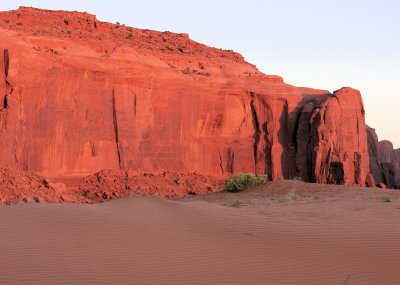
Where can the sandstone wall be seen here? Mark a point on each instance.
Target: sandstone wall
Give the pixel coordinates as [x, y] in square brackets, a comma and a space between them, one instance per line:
[384, 160]
[81, 96]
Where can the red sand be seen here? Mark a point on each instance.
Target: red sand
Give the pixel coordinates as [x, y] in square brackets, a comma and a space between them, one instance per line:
[344, 237]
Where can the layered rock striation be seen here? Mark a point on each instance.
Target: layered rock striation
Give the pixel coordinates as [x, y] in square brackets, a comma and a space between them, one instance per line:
[80, 95]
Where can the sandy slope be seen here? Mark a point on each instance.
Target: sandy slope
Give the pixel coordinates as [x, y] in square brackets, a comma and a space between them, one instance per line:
[153, 241]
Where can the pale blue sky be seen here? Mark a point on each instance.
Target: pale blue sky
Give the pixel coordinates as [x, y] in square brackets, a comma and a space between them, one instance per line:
[320, 44]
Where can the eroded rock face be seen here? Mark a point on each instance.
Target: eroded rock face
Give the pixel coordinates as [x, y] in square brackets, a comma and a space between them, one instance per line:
[81, 95]
[384, 161]
[373, 151]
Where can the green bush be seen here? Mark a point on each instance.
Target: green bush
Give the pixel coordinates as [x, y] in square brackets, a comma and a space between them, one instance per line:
[386, 198]
[241, 181]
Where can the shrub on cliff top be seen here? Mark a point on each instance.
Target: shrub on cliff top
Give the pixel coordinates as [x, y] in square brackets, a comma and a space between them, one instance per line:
[241, 181]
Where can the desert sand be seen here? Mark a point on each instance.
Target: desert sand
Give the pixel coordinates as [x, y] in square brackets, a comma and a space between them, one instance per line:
[286, 232]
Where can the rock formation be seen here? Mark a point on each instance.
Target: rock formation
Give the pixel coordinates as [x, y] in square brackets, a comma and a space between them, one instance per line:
[82, 95]
[110, 184]
[18, 186]
[384, 161]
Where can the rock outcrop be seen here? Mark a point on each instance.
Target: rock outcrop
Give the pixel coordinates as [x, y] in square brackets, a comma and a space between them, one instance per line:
[110, 184]
[18, 186]
[384, 161]
[81, 95]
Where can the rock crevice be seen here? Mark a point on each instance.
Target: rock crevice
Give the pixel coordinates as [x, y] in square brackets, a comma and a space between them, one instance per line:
[115, 124]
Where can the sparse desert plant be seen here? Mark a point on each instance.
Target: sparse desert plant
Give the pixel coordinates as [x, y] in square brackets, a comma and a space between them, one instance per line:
[283, 200]
[297, 178]
[19, 24]
[293, 197]
[234, 202]
[241, 181]
[317, 197]
[386, 198]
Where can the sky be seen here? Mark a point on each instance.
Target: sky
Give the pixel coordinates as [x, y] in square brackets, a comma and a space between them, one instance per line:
[321, 44]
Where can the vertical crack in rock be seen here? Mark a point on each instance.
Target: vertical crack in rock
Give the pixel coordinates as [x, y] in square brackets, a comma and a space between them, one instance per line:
[357, 167]
[296, 130]
[288, 155]
[5, 104]
[115, 122]
[6, 66]
[135, 104]
[220, 162]
[6, 62]
[230, 160]
[257, 132]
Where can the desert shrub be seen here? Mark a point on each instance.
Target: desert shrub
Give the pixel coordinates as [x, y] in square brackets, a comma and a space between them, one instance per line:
[283, 200]
[235, 202]
[293, 197]
[297, 178]
[386, 198]
[19, 24]
[241, 181]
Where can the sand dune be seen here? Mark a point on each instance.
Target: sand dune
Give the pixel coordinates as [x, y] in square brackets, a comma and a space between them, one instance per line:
[155, 241]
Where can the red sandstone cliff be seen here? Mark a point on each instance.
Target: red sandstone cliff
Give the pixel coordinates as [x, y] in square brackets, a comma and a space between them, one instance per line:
[81, 95]
[384, 161]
